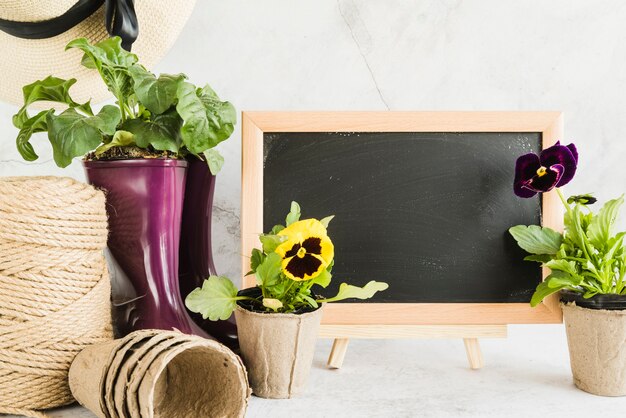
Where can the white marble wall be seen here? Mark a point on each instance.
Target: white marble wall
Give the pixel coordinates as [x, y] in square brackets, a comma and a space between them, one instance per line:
[567, 55]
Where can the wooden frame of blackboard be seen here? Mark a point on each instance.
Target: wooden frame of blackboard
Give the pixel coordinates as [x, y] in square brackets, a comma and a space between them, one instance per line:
[400, 320]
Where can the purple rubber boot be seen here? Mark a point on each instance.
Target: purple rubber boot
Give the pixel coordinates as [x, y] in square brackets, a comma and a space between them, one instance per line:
[144, 204]
[196, 256]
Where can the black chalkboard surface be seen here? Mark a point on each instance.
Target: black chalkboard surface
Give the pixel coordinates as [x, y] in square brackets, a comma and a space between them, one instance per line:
[426, 212]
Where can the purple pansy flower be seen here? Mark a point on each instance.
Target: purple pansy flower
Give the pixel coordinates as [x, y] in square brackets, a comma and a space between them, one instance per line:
[554, 167]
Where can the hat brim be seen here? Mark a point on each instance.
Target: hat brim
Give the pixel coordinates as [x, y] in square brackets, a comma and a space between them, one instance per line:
[28, 60]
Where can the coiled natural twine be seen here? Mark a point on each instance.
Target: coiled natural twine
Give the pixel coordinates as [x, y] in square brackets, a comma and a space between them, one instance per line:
[54, 287]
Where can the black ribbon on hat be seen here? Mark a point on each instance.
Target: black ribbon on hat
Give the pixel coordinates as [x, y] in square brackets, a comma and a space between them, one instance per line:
[120, 20]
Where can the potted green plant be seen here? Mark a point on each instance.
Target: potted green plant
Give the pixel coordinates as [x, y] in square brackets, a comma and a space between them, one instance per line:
[278, 319]
[158, 138]
[588, 267]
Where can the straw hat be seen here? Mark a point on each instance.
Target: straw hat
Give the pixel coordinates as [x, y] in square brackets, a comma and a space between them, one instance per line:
[26, 60]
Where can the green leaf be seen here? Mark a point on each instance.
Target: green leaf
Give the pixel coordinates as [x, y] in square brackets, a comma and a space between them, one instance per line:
[540, 258]
[38, 123]
[543, 291]
[615, 245]
[214, 159]
[268, 271]
[276, 229]
[325, 221]
[50, 89]
[273, 304]
[216, 300]
[222, 114]
[618, 237]
[112, 62]
[73, 135]
[208, 92]
[347, 291]
[120, 139]
[107, 119]
[310, 300]
[537, 240]
[270, 242]
[108, 52]
[323, 279]
[278, 289]
[573, 226]
[156, 94]
[561, 279]
[162, 132]
[600, 228]
[563, 265]
[294, 214]
[206, 121]
[256, 259]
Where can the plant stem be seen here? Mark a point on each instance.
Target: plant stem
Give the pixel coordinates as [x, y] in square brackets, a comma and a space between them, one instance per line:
[243, 298]
[584, 243]
[129, 110]
[619, 284]
[287, 289]
[567, 206]
[122, 110]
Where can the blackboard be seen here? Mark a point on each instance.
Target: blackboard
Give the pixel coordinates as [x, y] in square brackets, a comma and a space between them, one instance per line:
[422, 200]
[426, 212]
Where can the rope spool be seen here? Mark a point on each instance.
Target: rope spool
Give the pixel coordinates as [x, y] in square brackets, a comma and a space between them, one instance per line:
[54, 287]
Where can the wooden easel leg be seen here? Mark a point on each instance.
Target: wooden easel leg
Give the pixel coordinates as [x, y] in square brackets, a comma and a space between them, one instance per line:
[474, 355]
[337, 353]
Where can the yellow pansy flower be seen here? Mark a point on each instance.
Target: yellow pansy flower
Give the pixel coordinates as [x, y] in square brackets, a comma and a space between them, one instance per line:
[307, 251]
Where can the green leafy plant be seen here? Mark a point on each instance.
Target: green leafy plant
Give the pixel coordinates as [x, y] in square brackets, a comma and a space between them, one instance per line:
[588, 257]
[164, 114]
[293, 259]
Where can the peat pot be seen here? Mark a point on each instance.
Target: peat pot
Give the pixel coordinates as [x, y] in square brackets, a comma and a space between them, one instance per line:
[596, 331]
[277, 348]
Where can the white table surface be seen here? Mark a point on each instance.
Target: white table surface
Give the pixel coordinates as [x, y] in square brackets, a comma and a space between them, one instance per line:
[525, 375]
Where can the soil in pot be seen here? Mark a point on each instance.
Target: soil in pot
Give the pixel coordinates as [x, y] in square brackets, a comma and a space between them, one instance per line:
[129, 153]
[257, 306]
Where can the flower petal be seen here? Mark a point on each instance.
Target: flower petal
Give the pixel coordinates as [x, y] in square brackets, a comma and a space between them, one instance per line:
[294, 250]
[303, 268]
[301, 230]
[328, 251]
[526, 168]
[524, 191]
[312, 245]
[548, 181]
[563, 156]
[574, 151]
[286, 248]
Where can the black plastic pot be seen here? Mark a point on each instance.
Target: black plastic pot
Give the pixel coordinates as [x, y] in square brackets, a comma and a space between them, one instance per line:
[606, 302]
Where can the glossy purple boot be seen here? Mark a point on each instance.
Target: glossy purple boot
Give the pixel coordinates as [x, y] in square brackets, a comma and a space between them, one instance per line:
[196, 256]
[144, 204]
